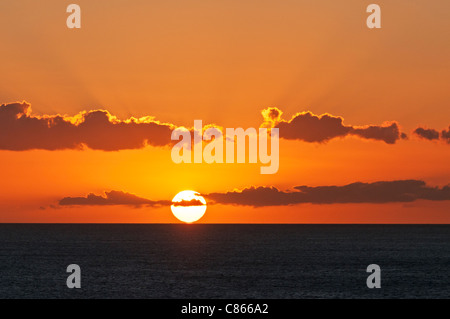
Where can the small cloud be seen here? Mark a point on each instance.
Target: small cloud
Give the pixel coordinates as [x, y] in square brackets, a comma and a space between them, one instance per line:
[432, 134]
[112, 198]
[428, 134]
[445, 135]
[388, 132]
[186, 203]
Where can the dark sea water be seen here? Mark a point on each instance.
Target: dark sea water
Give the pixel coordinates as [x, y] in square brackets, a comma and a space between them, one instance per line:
[224, 261]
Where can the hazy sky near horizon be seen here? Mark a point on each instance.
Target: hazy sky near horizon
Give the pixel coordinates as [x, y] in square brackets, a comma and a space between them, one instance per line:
[224, 62]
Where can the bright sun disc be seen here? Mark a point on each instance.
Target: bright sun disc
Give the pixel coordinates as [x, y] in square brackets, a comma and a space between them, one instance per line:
[191, 206]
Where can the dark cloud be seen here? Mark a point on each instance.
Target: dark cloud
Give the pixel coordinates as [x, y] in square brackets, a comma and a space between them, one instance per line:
[429, 134]
[192, 202]
[312, 128]
[122, 198]
[389, 133]
[112, 198]
[432, 134]
[98, 130]
[445, 135]
[378, 192]
[309, 127]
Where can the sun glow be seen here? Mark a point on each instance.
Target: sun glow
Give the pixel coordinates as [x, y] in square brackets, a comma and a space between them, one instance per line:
[188, 206]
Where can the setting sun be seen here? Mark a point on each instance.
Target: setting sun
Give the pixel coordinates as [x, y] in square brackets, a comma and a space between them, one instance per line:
[188, 206]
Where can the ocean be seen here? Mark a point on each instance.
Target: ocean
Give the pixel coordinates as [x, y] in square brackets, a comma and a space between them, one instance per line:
[224, 261]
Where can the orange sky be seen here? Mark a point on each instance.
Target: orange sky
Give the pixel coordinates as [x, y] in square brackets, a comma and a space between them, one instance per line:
[224, 62]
